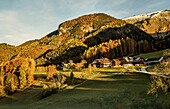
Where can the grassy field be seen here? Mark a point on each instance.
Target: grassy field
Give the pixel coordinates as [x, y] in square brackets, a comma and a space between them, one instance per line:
[152, 55]
[108, 90]
[39, 72]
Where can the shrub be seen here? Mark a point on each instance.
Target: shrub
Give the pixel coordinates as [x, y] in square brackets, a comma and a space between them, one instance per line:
[56, 84]
[59, 80]
[2, 92]
[72, 77]
[160, 83]
[94, 66]
[71, 65]
[166, 54]
[78, 66]
[50, 71]
[89, 68]
[17, 74]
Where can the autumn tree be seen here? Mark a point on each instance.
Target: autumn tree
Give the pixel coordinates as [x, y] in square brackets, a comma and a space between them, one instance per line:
[78, 66]
[71, 64]
[50, 71]
[17, 74]
[124, 46]
[89, 68]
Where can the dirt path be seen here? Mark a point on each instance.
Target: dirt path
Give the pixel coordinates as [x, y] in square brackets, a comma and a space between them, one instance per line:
[143, 70]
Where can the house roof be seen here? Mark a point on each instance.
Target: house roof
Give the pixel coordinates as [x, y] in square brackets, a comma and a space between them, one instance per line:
[132, 59]
[128, 59]
[150, 60]
[102, 60]
[137, 59]
[116, 60]
[105, 60]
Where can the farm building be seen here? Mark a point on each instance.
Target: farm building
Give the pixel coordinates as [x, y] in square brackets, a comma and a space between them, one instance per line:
[122, 60]
[134, 61]
[103, 62]
[150, 61]
[128, 59]
[106, 62]
[138, 61]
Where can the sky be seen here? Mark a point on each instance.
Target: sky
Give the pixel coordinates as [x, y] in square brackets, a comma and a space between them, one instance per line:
[23, 20]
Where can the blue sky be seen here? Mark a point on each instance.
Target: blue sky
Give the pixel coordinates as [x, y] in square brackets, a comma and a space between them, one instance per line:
[23, 20]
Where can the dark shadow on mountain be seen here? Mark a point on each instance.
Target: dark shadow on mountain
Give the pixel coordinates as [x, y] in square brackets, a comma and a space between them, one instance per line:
[73, 53]
[160, 34]
[43, 55]
[88, 33]
[128, 30]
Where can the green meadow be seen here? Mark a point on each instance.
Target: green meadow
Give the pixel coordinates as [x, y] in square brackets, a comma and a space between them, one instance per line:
[110, 89]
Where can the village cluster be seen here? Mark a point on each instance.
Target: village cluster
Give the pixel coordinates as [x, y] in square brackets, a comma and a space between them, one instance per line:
[126, 61]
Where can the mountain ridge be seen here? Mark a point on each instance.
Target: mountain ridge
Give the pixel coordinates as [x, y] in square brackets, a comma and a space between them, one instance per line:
[74, 37]
[156, 24]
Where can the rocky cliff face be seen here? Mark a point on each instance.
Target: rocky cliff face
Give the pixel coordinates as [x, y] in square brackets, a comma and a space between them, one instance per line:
[155, 24]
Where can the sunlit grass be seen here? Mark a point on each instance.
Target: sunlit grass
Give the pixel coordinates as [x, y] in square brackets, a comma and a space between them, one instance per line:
[109, 89]
[152, 54]
[39, 72]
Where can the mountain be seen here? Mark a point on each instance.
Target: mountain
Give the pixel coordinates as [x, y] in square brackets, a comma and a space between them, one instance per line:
[6, 52]
[156, 24]
[74, 38]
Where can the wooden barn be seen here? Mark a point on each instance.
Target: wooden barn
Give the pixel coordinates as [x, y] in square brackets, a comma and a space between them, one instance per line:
[106, 62]
[103, 62]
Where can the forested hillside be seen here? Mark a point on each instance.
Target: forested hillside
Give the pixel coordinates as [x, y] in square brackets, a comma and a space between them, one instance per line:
[6, 52]
[87, 37]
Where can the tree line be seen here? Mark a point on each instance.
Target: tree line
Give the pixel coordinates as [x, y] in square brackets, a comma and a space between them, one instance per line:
[118, 48]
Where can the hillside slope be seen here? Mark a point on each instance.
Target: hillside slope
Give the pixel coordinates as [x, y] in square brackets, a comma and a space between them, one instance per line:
[74, 37]
[156, 23]
[7, 52]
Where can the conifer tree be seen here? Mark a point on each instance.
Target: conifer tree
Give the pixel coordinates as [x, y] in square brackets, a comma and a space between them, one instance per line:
[128, 45]
[142, 46]
[139, 47]
[132, 46]
[124, 46]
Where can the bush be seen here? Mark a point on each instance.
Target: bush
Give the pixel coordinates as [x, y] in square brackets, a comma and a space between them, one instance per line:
[166, 54]
[89, 68]
[2, 92]
[78, 66]
[55, 85]
[50, 71]
[160, 83]
[72, 77]
[17, 74]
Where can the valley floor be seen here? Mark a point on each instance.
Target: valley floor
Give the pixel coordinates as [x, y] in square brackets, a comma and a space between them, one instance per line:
[108, 90]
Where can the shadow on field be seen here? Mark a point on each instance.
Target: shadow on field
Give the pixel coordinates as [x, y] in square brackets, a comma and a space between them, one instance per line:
[110, 90]
[24, 97]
